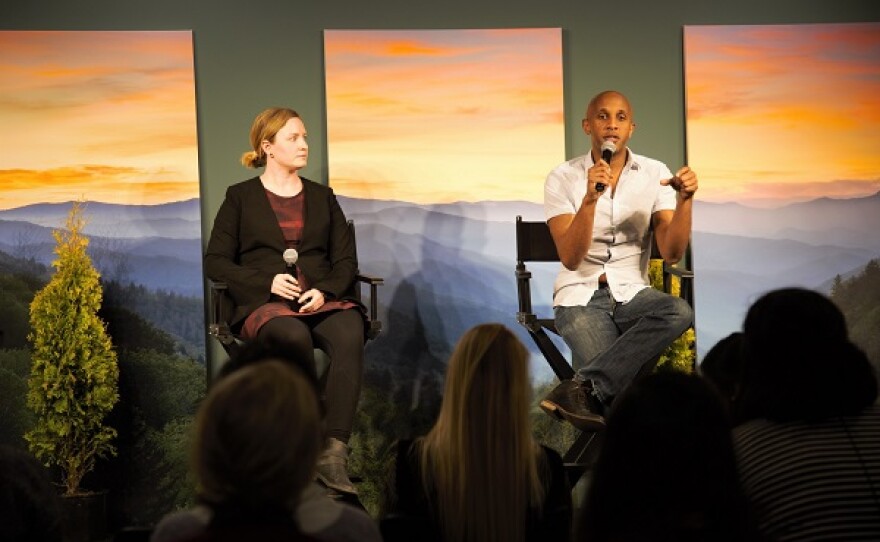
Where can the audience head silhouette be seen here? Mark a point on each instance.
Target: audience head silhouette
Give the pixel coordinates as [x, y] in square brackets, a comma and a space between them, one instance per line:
[798, 361]
[258, 438]
[29, 508]
[487, 374]
[480, 457]
[723, 366]
[667, 469]
[253, 352]
[806, 447]
[256, 352]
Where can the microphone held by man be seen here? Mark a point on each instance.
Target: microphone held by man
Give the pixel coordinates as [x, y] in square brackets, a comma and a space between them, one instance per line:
[608, 150]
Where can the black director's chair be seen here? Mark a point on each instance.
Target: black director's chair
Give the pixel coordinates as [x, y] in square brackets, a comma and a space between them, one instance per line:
[222, 306]
[535, 244]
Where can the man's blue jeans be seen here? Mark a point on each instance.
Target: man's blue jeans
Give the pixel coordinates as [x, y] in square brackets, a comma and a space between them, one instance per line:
[611, 341]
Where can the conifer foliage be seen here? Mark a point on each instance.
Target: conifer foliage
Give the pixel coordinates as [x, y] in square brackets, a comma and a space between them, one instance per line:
[681, 355]
[74, 373]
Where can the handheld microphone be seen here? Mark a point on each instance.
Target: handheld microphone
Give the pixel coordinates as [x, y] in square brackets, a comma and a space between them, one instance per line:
[290, 257]
[608, 150]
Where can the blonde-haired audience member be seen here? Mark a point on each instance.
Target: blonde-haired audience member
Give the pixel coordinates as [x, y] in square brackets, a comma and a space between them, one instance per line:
[479, 475]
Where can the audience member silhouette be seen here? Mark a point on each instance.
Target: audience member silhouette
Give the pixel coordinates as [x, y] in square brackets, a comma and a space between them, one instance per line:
[666, 471]
[29, 510]
[479, 475]
[722, 366]
[809, 452]
[258, 439]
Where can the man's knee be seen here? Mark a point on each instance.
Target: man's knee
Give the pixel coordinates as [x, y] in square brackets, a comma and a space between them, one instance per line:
[680, 313]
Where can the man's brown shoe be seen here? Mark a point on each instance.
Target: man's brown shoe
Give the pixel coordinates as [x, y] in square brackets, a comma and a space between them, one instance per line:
[575, 403]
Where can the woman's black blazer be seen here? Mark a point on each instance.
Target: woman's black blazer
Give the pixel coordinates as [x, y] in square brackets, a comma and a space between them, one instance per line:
[246, 246]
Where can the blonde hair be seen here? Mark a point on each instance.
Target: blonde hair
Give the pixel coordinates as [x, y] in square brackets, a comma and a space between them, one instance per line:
[258, 435]
[480, 458]
[266, 125]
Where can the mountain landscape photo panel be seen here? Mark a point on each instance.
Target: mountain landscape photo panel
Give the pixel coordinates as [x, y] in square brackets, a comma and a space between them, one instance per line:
[108, 119]
[782, 128]
[114, 115]
[437, 140]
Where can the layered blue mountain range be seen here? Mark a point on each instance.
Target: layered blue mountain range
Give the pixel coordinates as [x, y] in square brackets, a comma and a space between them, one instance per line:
[158, 246]
[175, 220]
[450, 266]
[851, 223]
[466, 251]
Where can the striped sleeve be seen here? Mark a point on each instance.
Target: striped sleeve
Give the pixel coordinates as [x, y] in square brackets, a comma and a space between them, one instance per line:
[816, 481]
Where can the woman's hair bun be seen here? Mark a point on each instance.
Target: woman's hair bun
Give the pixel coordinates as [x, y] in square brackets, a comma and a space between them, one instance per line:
[252, 159]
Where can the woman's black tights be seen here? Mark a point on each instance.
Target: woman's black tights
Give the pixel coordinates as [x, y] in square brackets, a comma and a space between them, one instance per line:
[340, 335]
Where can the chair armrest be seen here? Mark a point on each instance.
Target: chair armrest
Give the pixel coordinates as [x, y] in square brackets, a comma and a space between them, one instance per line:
[218, 285]
[375, 325]
[686, 278]
[218, 298]
[218, 324]
[680, 272]
[369, 279]
[523, 293]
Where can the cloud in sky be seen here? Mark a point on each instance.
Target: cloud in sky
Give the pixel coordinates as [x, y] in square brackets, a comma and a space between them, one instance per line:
[775, 109]
[125, 100]
[444, 115]
[126, 185]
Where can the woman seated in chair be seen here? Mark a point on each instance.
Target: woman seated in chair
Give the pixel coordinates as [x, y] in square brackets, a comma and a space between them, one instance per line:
[308, 304]
[479, 475]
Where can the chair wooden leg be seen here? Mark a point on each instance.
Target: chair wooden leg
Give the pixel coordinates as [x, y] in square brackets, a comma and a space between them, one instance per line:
[556, 360]
[582, 455]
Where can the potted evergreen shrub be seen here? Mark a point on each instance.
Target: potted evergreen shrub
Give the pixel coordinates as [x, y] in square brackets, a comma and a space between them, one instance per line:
[74, 374]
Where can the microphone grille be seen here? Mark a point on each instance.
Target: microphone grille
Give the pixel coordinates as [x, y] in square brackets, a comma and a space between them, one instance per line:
[609, 146]
[290, 256]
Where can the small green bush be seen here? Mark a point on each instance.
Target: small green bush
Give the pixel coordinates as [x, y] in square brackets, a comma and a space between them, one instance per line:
[74, 374]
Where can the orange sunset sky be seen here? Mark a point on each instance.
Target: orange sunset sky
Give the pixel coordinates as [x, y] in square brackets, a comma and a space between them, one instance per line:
[777, 114]
[105, 116]
[436, 116]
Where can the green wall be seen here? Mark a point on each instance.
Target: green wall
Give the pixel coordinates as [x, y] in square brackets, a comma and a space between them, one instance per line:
[250, 54]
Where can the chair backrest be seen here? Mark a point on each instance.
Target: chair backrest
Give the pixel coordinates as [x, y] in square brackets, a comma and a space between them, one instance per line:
[534, 242]
[374, 325]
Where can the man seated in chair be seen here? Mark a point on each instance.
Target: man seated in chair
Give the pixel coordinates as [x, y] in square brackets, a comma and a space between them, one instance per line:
[600, 211]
